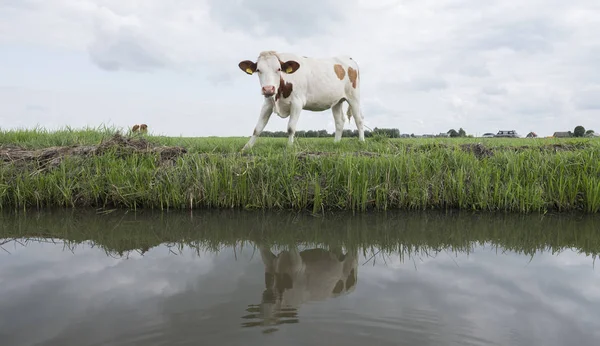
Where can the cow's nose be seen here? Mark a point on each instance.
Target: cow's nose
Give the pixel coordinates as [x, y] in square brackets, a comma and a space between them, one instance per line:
[268, 90]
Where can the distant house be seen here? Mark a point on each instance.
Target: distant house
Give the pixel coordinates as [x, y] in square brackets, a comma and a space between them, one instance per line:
[507, 133]
[531, 135]
[565, 134]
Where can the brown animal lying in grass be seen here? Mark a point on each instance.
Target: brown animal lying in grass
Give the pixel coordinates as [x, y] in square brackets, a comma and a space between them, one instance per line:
[143, 128]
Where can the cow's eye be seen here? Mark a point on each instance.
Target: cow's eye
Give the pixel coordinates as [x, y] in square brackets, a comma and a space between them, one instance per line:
[278, 69]
[257, 71]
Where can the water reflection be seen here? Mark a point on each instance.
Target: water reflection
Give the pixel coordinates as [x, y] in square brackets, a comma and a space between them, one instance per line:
[233, 278]
[294, 277]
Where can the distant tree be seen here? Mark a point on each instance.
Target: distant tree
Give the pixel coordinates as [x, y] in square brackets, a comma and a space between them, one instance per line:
[380, 132]
[323, 133]
[347, 133]
[452, 133]
[462, 133]
[579, 131]
[589, 132]
[389, 133]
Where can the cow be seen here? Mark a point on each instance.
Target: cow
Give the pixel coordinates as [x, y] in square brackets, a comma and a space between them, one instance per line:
[295, 277]
[292, 83]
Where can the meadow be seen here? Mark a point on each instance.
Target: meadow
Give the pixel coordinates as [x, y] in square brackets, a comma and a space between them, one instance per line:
[101, 169]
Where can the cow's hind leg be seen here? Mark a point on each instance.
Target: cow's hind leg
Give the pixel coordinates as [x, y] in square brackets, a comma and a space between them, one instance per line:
[338, 117]
[355, 111]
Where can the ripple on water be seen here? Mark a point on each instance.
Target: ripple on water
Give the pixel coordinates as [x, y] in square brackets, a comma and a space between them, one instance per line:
[409, 327]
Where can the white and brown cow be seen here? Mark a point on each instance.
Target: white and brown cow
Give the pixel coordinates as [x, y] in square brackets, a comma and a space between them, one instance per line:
[291, 83]
[295, 277]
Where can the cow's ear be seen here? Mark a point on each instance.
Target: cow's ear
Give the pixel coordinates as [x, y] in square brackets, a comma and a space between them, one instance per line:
[290, 66]
[247, 66]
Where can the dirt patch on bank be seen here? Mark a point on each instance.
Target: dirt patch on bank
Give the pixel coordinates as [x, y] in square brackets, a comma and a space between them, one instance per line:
[479, 150]
[118, 144]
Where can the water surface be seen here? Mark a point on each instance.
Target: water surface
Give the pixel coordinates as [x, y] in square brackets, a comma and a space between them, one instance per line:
[255, 278]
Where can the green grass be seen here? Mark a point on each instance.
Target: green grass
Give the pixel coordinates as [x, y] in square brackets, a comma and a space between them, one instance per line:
[402, 233]
[521, 175]
[40, 138]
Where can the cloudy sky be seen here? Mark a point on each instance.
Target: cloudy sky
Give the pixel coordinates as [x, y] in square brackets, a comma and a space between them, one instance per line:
[485, 297]
[426, 66]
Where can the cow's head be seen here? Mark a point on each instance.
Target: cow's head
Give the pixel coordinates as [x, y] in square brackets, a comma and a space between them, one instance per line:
[269, 69]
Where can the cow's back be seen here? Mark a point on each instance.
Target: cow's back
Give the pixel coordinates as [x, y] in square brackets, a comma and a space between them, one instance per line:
[322, 82]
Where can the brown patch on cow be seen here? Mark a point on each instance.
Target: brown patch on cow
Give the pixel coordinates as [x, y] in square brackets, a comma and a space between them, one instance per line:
[285, 89]
[143, 128]
[135, 128]
[339, 71]
[339, 287]
[353, 75]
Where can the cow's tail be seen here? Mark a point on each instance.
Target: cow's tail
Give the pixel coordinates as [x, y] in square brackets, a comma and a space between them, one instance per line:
[349, 113]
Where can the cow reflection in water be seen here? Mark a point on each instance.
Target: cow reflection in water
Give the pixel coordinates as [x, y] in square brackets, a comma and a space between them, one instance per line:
[294, 277]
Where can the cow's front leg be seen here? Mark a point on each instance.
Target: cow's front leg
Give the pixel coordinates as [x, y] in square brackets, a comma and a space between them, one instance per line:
[268, 259]
[295, 110]
[263, 119]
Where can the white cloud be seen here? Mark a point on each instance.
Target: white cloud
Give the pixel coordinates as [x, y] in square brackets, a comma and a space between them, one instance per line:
[588, 98]
[426, 66]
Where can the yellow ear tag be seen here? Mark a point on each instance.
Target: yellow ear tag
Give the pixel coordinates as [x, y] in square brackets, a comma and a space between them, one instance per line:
[289, 69]
[249, 71]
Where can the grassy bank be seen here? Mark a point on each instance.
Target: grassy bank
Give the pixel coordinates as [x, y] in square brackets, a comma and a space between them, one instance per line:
[92, 168]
